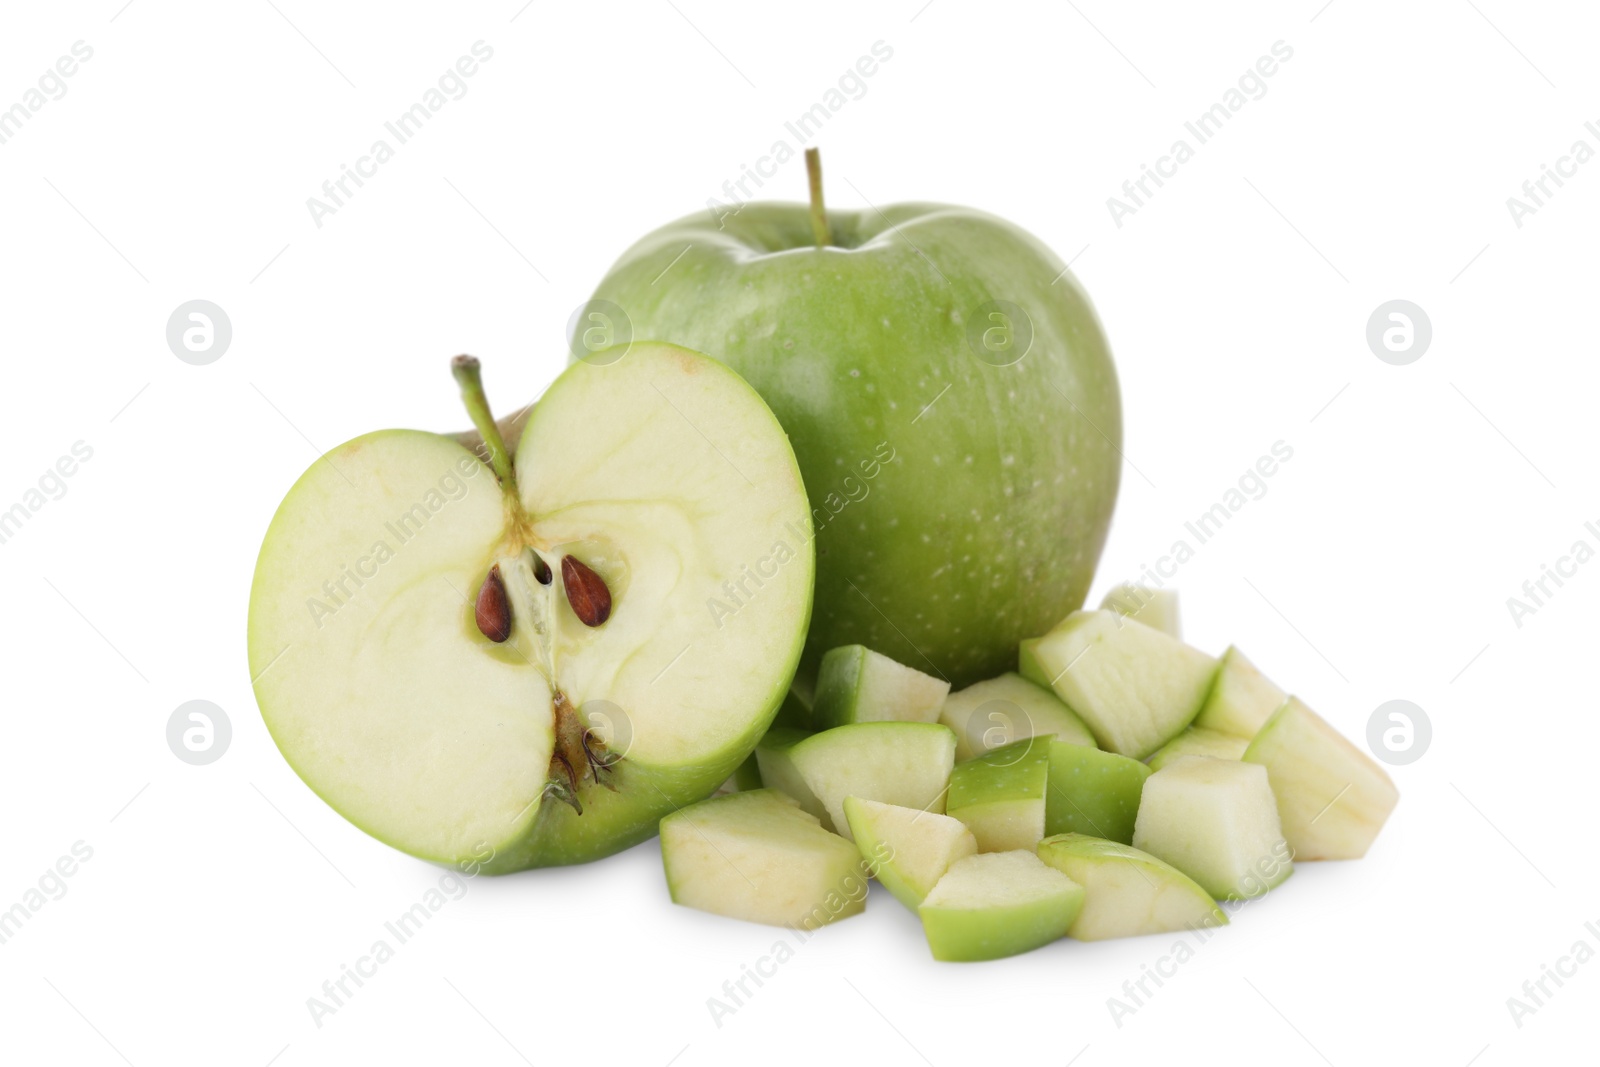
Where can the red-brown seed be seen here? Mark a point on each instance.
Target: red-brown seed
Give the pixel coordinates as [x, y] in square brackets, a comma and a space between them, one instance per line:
[541, 570]
[493, 609]
[586, 592]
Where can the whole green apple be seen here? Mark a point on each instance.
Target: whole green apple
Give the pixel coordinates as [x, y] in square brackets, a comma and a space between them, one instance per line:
[949, 394]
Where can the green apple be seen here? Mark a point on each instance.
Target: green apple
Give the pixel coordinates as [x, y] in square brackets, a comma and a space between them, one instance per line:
[515, 658]
[775, 765]
[907, 849]
[1009, 708]
[1000, 795]
[1127, 893]
[1156, 608]
[904, 763]
[857, 684]
[950, 395]
[756, 856]
[1135, 687]
[998, 904]
[1199, 741]
[1242, 698]
[1216, 821]
[1332, 797]
[1092, 792]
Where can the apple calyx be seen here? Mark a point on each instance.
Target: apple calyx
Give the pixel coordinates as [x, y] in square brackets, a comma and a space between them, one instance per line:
[579, 755]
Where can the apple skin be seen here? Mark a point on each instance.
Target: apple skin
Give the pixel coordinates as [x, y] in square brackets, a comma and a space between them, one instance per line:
[959, 505]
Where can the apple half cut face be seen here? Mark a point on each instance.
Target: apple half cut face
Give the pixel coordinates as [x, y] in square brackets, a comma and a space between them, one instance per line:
[530, 661]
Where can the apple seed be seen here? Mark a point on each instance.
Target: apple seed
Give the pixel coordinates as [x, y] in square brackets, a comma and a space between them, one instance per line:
[493, 609]
[586, 592]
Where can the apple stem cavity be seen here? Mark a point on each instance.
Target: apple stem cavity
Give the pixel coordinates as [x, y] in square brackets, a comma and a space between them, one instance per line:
[468, 373]
[819, 212]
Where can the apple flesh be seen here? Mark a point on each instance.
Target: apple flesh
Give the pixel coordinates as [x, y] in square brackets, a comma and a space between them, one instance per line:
[935, 367]
[756, 856]
[998, 904]
[1126, 892]
[1332, 797]
[1199, 741]
[1216, 821]
[1000, 795]
[857, 684]
[1241, 700]
[1092, 792]
[904, 763]
[1135, 687]
[907, 849]
[459, 656]
[1156, 608]
[1009, 708]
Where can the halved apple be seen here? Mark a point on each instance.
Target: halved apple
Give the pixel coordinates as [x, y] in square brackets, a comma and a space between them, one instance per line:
[536, 659]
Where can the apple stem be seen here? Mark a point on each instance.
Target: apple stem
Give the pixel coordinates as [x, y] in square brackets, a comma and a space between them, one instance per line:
[819, 213]
[469, 374]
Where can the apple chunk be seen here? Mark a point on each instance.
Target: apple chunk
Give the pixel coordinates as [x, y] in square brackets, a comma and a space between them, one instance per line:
[1134, 686]
[516, 658]
[775, 765]
[904, 763]
[907, 849]
[1156, 608]
[756, 856]
[1009, 708]
[1242, 698]
[1126, 892]
[1000, 795]
[1216, 821]
[856, 684]
[1199, 741]
[1092, 792]
[1332, 797]
[998, 904]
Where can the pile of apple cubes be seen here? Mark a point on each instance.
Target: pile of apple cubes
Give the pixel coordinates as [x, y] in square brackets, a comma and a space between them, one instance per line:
[1122, 784]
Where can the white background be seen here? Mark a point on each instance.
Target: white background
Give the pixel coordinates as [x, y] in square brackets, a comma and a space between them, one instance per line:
[1377, 566]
